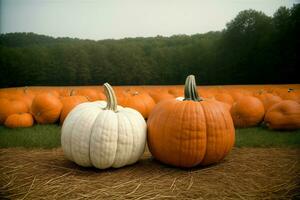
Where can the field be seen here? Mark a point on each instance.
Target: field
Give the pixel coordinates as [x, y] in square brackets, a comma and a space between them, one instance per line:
[263, 165]
[216, 113]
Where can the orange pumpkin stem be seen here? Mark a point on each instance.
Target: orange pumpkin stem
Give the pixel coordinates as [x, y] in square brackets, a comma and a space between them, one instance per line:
[111, 98]
[72, 93]
[25, 89]
[190, 89]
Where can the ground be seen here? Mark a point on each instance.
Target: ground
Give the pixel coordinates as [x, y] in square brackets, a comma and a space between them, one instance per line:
[247, 173]
[256, 168]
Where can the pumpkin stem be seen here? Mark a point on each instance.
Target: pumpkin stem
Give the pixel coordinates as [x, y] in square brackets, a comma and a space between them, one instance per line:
[25, 89]
[190, 89]
[72, 93]
[111, 97]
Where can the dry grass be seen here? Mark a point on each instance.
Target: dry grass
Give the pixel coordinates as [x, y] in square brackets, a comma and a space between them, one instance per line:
[247, 173]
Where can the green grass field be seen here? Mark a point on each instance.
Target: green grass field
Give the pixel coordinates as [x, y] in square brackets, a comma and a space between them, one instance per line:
[38, 136]
[48, 136]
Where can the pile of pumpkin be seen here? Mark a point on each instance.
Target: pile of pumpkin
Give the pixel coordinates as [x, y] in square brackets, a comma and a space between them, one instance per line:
[185, 126]
[278, 106]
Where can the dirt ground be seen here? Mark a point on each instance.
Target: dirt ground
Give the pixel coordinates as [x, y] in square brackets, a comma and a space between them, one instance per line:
[247, 173]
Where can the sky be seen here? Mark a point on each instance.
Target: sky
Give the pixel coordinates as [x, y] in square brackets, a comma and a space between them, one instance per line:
[115, 19]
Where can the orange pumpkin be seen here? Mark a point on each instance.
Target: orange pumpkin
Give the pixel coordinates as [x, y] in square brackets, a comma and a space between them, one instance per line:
[46, 108]
[139, 101]
[191, 131]
[9, 107]
[69, 103]
[283, 115]
[19, 120]
[160, 96]
[236, 94]
[268, 100]
[225, 98]
[291, 94]
[225, 105]
[247, 111]
[27, 99]
[177, 92]
[89, 93]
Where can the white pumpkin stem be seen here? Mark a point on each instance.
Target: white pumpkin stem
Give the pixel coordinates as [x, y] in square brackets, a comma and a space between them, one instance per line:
[190, 89]
[111, 98]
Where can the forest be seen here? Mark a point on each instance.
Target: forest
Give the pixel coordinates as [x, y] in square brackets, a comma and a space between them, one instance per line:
[253, 49]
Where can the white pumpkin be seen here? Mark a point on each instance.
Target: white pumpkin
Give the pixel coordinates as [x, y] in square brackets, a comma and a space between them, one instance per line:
[103, 134]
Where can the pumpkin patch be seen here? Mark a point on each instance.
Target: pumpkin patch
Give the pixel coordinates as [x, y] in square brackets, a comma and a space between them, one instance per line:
[144, 98]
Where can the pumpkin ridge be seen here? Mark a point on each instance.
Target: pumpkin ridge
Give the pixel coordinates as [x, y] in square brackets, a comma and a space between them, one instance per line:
[206, 132]
[132, 136]
[92, 131]
[182, 125]
[138, 150]
[70, 143]
[117, 140]
[79, 119]
[189, 128]
[227, 149]
[205, 122]
[218, 127]
[125, 116]
[223, 136]
[163, 137]
[166, 119]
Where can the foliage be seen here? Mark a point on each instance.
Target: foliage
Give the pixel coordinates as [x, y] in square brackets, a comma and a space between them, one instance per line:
[254, 48]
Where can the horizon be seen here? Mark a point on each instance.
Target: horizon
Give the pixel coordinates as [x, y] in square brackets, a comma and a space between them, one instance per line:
[119, 20]
[75, 38]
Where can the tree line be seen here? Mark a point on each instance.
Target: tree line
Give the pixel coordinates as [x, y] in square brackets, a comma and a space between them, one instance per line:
[253, 49]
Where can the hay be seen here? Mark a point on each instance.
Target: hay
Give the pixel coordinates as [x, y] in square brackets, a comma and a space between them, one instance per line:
[246, 173]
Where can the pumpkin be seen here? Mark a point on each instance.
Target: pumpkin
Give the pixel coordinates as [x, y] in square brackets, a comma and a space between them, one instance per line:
[268, 100]
[46, 108]
[189, 131]
[225, 98]
[160, 96]
[103, 134]
[225, 105]
[68, 104]
[236, 94]
[19, 120]
[140, 101]
[9, 107]
[284, 115]
[89, 93]
[176, 91]
[291, 94]
[247, 111]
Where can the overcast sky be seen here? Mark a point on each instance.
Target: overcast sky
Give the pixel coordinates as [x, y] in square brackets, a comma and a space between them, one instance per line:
[103, 19]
